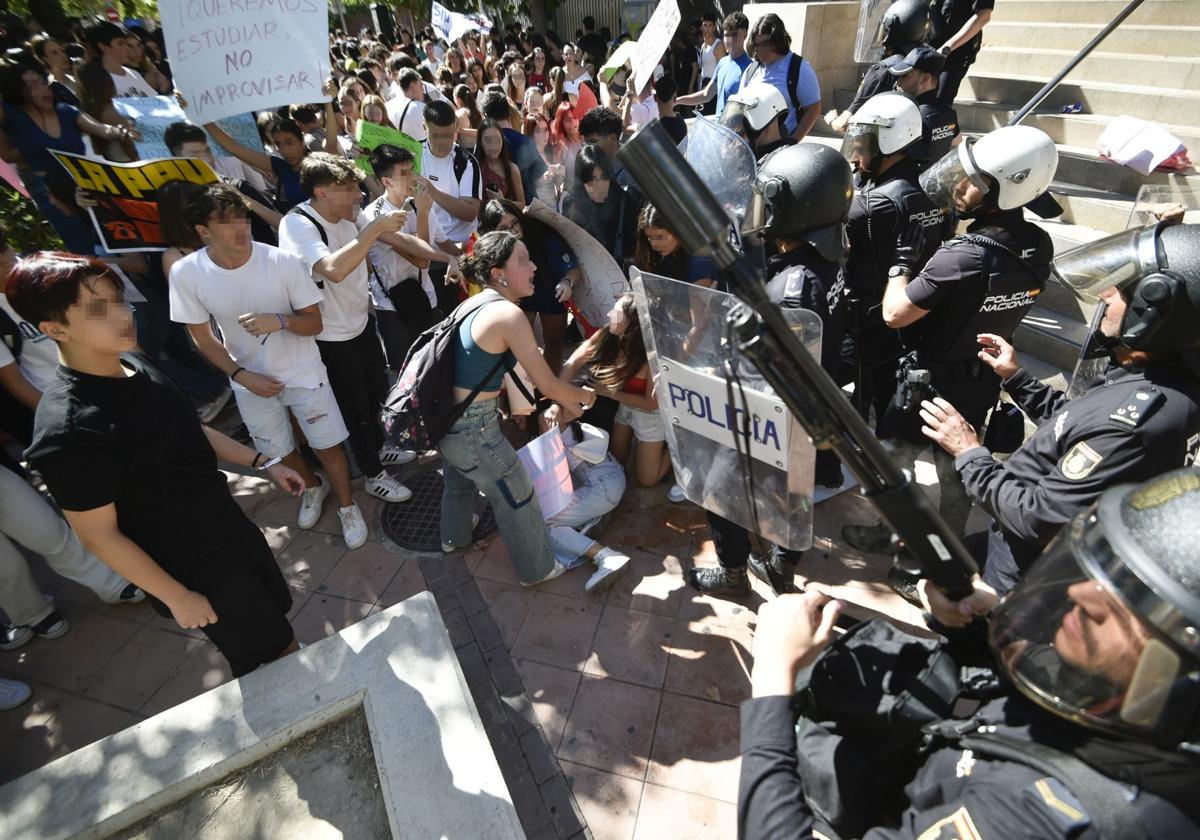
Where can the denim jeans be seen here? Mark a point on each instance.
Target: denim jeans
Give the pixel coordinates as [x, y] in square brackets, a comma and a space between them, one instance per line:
[598, 489]
[476, 457]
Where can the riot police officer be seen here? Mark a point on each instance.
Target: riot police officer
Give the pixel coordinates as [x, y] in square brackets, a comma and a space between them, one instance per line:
[757, 114]
[917, 78]
[956, 28]
[1140, 417]
[983, 282]
[800, 201]
[1093, 731]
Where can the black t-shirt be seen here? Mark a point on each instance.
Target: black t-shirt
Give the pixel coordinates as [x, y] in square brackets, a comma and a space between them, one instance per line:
[136, 442]
[595, 47]
[676, 127]
[876, 80]
[948, 16]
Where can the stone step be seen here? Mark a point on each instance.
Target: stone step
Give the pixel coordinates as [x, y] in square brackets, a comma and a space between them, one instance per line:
[1100, 12]
[1082, 130]
[1051, 337]
[1101, 211]
[1158, 71]
[1129, 37]
[1059, 299]
[1169, 106]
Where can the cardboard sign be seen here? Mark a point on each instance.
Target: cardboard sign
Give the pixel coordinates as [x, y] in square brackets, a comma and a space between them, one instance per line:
[453, 25]
[545, 459]
[369, 136]
[653, 43]
[233, 56]
[151, 115]
[700, 403]
[126, 218]
[241, 128]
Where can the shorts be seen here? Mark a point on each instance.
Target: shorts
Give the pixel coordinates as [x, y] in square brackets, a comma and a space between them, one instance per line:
[647, 425]
[316, 411]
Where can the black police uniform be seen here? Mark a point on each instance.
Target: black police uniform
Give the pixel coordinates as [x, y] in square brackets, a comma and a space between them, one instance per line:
[1129, 426]
[939, 127]
[882, 209]
[946, 17]
[969, 287]
[958, 794]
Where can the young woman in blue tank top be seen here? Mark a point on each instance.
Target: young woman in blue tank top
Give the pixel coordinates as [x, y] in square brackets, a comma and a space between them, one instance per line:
[476, 456]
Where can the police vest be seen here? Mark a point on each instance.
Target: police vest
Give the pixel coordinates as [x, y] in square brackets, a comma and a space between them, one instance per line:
[869, 260]
[939, 128]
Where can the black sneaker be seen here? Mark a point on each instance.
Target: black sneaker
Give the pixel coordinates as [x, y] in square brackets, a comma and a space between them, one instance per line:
[905, 585]
[131, 595]
[715, 580]
[873, 539]
[773, 573]
[50, 627]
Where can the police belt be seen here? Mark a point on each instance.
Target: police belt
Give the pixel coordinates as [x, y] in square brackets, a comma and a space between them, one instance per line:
[971, 369]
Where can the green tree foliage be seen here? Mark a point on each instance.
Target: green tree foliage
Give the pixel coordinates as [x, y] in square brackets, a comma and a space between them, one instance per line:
[28, 230]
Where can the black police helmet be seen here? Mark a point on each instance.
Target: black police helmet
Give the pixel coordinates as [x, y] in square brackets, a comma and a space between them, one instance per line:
[905, 24]
[803, 192]
[1164, 306]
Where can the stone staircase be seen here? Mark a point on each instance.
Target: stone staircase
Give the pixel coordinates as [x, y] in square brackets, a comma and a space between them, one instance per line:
[1148, 68]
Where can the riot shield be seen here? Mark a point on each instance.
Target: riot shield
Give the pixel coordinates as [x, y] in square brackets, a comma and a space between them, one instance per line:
[868, 46]
[724, 162]
[737, 451]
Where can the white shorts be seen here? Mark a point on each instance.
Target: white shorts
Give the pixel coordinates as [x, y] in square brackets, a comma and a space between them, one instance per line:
[316, 411]
[647, 425]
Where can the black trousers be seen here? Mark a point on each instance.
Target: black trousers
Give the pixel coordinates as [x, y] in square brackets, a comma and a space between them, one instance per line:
[358, 376]
[447, 296]
[732, 543]
[953, 72]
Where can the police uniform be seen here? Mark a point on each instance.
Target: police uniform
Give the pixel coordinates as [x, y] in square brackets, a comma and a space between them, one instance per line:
[1130, 425]
[946, 17]
[939, 126]
[883, 208]
[958, 794]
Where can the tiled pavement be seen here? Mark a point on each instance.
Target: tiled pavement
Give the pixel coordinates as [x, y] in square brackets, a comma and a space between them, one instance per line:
[634, 690]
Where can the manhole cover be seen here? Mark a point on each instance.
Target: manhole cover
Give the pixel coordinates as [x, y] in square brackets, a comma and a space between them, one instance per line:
[416, 524]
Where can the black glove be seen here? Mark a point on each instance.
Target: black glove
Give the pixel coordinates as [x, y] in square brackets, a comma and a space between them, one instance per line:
[910, 245]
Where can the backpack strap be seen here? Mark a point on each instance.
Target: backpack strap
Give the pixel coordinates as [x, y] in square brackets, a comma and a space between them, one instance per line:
[315, 223]
[793, 79]
[458, 316]
[10, 334]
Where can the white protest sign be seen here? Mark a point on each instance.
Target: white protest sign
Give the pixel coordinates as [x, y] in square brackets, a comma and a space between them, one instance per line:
[151, 115]
[699, 403]
[653, 42]
[545, 459]
[233, 56]
[453, 25]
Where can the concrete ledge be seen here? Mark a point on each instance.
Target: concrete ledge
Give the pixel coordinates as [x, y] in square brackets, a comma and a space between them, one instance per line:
[437, 772]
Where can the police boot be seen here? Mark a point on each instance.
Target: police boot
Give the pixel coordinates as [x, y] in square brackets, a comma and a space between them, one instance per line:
[904, 584]
[873, 539]
[774, 571]
[717, 580]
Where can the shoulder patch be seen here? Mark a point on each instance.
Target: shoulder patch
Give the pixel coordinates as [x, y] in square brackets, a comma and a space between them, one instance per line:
[1080, 461]
[957, 826]
[1054, 801]
[1140, 405]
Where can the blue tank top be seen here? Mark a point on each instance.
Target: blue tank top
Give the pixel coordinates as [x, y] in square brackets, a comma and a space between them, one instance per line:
[472, 362]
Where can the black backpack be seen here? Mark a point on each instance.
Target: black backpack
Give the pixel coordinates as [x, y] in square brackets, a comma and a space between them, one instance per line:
[420, 408]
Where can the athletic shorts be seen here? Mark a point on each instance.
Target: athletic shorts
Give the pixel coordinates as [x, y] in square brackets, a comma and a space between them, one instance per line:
[316, 412]
[647, 425]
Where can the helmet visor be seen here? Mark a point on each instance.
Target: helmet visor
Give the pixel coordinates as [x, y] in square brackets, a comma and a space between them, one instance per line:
[860, 146]
[758, 211]
[1116, 261]
[1075, 648]
[948, 179]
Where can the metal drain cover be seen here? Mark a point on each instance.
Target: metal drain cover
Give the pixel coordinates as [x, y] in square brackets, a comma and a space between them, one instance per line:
[416, 523]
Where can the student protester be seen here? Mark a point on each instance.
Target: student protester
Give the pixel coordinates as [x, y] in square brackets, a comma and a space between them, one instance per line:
[567, 139]
[712, 50]
[59, 71]
[407, 111]
[123, 454]
[476, 456]
[501, 177]
[728, 75]
[116, 54]
[603, 127]
[770, 46]
[603, 208]
[660, 251]
[496, 107]
[469, 118]
[660, 106]
[537, 128]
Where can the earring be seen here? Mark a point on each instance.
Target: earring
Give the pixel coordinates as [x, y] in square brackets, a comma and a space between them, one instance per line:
[501, 282]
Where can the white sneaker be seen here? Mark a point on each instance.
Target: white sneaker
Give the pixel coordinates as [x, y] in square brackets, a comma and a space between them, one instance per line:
[394, 456]
[354, 527]
[675, 494]
[311, 502]
[383, 486]
[558, 569]
[13, 694]
[609, 566]
[450, 548]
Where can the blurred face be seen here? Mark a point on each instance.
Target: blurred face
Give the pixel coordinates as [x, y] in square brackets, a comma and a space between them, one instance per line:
[708, 29]
[511, 224]
[37, 91]
[1114, 312]
[610, 144]
[967, 196]
[539, 61]
[99, 321]
[441, 138]
[1100, 635]
[341, 199]
[661, 240]
[402, 182]
[519, 271]
[492, 142]
[289, 147]
[597, 186]
[137, 52]
[456, 63]
[618, 321]
[56, 56]
[541, 135]
[534, 101]
[569, 54]
[516, 72]
[196, 149]
[228, 236]
[372, 113]
[761, 49]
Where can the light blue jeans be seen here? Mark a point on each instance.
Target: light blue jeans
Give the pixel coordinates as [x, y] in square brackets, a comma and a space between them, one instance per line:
[477, 458]
[598, 489]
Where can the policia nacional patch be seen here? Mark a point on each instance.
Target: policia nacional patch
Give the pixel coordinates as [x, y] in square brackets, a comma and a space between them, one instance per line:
[1080, 461]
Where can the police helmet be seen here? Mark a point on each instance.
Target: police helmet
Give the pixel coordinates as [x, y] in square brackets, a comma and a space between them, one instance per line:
[1020, 162]
[803, 192]
[753, 108]
[885, 124]
[1104, 629]
[904, 25]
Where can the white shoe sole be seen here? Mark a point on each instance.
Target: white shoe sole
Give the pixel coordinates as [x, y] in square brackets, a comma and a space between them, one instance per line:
[380, 494]
[407, 458]
[602, 579]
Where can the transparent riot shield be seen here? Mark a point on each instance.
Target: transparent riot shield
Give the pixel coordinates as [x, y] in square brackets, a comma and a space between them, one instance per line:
[1152, 200]
[868, 46]
[724, 162]
[737, 451]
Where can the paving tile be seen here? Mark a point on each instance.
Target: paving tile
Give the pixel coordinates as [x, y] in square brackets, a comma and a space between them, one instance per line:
[653, 583]
[142, 667]
[631, 646]
[611, 726]
[330, 523]
[309, 559]
[74, 662]
[564, 810]
[495, 564]
[362, 575]
[665, 812]
[551, 691]
[558, 631]
[710, 662]
[324, 615]
[279, 536]
[539, 756]
[696, 747]
[252, 492]
[508, 604]
[203, 670]
[571, 584]
[609, 803]
[406, 583]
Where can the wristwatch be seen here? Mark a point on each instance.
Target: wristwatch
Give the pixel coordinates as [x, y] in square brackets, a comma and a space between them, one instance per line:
[898, 271]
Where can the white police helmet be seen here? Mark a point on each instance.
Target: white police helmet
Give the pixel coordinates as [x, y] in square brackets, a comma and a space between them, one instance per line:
[889, 122]
[1020, 160]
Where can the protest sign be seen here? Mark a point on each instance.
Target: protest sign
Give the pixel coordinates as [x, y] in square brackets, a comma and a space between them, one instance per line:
[151, 115]
[602, 281]
[653, 42]
[241, 128]
[453, 25]
[126, 214]
[233, 56]
[368, 136]
[545, 459]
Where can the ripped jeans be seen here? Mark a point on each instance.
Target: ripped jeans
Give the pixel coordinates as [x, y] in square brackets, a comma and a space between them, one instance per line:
[476, 457]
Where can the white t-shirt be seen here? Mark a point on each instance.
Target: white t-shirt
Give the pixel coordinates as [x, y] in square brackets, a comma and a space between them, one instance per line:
[347, 304]
[39, 354]
[132, 84]
[441, 172]
[270, 281]
[641, 113]
[390, 267]
[408, 116]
